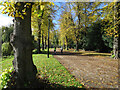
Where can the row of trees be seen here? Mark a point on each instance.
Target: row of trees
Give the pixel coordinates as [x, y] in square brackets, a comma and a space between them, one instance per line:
[91, 26]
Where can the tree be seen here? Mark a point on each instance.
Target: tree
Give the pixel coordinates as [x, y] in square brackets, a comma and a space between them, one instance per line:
[66, 28]
[6, 46]
[112, 10]
[21, 41]
[6, 31]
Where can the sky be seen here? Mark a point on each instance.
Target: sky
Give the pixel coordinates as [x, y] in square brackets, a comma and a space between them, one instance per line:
[5, 20]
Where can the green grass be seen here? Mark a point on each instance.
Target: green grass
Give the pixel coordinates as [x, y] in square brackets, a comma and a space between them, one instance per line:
[49, 69]
[6, 63]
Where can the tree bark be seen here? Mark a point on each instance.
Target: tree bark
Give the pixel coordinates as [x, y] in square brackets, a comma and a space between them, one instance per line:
[119, 46]
[115, 47]
[42, 42]
[77, 42]
[39, 37]
[66, 42]
[21, 40]
[45, 42]
[39, 27]
[39, 32]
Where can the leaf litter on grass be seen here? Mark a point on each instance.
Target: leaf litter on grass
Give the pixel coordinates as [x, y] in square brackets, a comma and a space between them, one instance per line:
[56, 73]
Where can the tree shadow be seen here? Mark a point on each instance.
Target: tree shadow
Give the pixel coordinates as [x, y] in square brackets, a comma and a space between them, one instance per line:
[39, 84]
[44, 84]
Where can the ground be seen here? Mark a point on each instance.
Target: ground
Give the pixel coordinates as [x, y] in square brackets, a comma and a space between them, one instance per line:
[95, 70]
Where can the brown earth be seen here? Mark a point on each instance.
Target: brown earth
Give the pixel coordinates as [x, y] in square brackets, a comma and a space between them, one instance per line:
[94, 70]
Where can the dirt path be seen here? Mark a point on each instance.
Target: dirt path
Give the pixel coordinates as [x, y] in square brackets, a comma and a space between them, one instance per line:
[93, 71]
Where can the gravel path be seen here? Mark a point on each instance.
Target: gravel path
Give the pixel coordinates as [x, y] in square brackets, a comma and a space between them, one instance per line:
[92, 71]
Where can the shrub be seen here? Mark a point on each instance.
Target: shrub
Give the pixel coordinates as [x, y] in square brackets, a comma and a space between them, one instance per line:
[6, 49]
[5, 77]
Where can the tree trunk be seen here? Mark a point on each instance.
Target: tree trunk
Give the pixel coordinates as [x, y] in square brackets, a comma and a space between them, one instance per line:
[39, 37]
[45, 42]
[77, 49]
[115, 47]
[119, 46]
[66, 43]
[39, 32]
[118, 10]
[21, 40]
[42, 42]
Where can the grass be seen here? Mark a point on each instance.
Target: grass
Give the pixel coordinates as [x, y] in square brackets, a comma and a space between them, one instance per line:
[6, 62]
[49, 69]
[52, 70]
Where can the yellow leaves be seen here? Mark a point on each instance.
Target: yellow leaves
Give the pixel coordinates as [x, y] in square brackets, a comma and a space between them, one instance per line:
[21, 16]
[23, 10]
[116, 36]
[42, 7]
[3, 12]
[4, 8]
[52, 3]
[18, 4]
[24, 13]
[28, 4]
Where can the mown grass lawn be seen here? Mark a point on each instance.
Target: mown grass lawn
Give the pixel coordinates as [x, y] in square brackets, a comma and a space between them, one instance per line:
[49, 69]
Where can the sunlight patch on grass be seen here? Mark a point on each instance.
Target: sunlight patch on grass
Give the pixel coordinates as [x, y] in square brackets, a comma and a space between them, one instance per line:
[52, 70]
[95, 54]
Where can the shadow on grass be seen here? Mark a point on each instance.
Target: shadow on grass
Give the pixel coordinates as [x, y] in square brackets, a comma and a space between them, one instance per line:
[39, 84]
[44, 84]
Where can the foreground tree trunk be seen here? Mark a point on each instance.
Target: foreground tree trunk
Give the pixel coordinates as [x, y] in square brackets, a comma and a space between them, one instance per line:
[21, 40]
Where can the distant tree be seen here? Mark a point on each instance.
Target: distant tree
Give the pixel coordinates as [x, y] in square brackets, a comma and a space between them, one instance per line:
[40, 23]
[6, 31]
[6, 46]
[96, 38]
